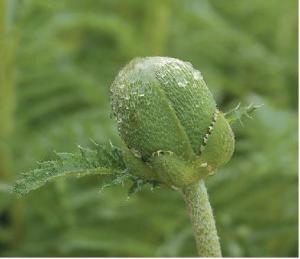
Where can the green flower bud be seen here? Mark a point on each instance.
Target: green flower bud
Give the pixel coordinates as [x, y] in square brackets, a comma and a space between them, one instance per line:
[168, 117]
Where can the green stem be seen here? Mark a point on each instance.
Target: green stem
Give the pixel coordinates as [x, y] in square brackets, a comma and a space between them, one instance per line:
[202, 218]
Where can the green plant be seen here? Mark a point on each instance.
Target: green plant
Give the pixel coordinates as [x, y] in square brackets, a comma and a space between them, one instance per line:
[173, 133]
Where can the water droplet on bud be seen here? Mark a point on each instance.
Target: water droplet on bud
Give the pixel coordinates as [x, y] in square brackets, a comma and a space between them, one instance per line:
[197, 75]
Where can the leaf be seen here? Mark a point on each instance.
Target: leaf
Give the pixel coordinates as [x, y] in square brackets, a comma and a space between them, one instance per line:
[139, 183]
[104, 160]
[237, 113]
[118, 178]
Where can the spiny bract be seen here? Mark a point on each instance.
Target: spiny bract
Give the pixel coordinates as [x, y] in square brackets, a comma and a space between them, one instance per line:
[163, 107]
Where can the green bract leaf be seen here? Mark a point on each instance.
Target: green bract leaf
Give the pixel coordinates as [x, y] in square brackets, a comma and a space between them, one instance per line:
[103, 160]
[138, 184]
[237, 113]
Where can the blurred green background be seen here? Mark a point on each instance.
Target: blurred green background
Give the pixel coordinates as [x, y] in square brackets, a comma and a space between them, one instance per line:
[58, 59]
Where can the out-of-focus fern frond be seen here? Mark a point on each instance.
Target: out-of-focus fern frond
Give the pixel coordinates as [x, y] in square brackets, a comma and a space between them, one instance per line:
[103, 160]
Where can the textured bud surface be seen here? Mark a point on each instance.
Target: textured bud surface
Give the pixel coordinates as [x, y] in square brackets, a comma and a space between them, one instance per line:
[220, 144]
[163, 104]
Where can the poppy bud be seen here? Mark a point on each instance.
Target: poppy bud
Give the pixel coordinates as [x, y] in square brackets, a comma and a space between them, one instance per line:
[168, 117]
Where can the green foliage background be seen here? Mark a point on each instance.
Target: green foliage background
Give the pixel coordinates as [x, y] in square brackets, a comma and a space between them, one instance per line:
[58, 59]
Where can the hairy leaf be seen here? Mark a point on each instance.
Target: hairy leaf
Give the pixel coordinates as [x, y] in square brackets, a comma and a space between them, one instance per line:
[103, 160]
[237, 113]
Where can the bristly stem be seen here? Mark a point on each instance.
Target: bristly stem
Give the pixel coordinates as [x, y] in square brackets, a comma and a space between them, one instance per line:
[207, 240]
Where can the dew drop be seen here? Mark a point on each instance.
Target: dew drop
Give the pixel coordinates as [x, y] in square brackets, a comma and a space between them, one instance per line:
[197, 75]
[182, 82]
